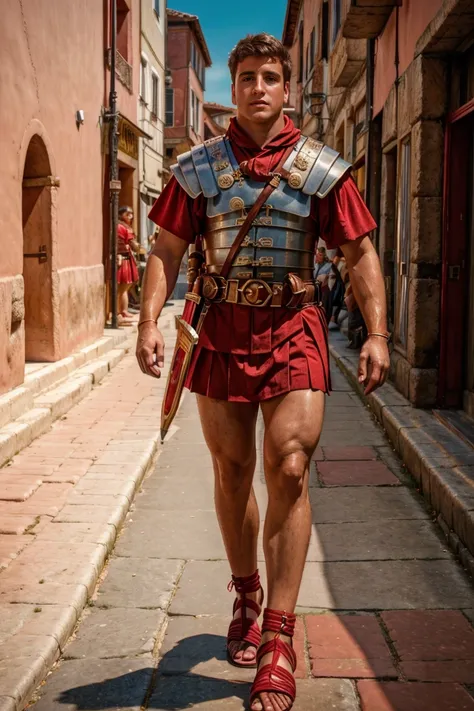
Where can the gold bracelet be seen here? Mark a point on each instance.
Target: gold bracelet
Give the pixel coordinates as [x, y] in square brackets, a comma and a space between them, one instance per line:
[146, 320]
[382, 335]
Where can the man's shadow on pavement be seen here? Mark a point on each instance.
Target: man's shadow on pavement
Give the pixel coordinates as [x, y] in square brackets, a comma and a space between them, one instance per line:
[172, 686]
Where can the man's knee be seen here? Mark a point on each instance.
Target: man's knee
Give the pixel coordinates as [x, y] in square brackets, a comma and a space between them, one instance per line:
[232, 470]
[286, 474]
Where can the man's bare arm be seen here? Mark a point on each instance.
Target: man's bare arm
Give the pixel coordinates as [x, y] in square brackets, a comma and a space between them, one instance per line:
[159, 280]
[369, 290]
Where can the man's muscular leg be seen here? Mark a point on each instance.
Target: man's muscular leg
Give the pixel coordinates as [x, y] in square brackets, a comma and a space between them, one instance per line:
[229, 430]
[293, 424]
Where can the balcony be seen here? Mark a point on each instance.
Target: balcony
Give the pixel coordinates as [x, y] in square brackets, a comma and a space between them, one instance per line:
[347, 59]
[365, 19]
[123, 70]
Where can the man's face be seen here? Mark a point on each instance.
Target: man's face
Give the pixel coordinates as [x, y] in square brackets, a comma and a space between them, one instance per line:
[259, 90]
[128, 217]
[319, 257]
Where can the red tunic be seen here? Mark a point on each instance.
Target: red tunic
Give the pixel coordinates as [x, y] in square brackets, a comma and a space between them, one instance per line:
[127, 272]
[248, 354]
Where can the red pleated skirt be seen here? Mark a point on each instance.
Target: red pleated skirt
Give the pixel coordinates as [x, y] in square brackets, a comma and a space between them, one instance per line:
[247, 354]
[127, 273]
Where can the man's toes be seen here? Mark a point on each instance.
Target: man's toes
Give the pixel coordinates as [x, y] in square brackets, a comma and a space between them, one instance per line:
[249, 654]
[267, 703]
[278, 701]
[257, 705]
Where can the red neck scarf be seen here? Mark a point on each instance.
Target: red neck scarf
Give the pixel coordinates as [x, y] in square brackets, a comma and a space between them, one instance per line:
[261, 161]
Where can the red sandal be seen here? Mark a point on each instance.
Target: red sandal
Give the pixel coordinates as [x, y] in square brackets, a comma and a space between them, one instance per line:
[245, 629]
[272, 678]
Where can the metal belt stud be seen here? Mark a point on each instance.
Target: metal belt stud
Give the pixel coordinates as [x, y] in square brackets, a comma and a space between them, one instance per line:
[225, 181]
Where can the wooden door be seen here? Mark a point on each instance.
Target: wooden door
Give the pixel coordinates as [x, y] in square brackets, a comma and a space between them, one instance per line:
[455, 272]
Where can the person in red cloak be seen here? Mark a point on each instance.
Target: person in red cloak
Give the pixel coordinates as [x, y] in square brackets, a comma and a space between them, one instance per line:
[275, 359]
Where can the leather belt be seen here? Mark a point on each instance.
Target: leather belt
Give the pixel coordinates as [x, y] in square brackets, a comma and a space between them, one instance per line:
[292, 293]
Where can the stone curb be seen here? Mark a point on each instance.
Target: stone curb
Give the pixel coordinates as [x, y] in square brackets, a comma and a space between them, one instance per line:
[54, 402]
[17, 691]
[440, 462]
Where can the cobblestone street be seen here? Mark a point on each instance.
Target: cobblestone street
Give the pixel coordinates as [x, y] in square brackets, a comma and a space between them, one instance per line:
[385, 611]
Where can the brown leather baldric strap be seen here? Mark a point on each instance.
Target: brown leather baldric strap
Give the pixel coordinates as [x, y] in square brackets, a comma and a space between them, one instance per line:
[274, 182]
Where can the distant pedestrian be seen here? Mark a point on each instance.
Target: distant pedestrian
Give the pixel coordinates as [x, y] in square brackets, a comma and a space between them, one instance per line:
[323, 271]
[127, 271]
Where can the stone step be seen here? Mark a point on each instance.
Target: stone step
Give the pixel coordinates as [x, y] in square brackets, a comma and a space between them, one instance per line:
[48, 393]
[40, 377]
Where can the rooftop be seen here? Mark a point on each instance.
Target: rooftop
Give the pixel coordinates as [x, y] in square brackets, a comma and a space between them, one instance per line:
[177, 17]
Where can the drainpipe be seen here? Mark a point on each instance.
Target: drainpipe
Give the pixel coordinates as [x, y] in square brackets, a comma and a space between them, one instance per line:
[114, 170]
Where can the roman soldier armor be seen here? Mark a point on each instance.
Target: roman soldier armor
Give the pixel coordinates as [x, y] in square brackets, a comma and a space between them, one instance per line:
[280, 245]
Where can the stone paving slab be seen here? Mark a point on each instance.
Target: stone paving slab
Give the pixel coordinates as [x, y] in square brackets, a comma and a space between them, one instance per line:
[10, 547]
[342, 505]
[139, 582]
[65, 564]
[386, 585]
[164, 535]
[104, 634]
[36, 593]
[173, 693]
[77, 533]
[97, 684]
[170, 494]
[54, 620]
[197, 645]
[198, 589]
[391, 696]
[348, 646]
[369, 541]
[356, 474]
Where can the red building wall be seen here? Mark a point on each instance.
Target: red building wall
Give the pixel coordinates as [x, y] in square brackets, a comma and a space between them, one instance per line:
[413, 18]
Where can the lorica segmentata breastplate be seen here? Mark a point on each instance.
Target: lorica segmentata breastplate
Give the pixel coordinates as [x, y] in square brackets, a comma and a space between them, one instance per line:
[282, 238]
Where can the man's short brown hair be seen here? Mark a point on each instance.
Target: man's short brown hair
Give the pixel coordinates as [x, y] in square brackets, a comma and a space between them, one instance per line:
[261, 45]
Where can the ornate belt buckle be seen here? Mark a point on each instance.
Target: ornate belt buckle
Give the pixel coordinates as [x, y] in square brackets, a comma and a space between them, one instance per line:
[251, 293]
[214, 288]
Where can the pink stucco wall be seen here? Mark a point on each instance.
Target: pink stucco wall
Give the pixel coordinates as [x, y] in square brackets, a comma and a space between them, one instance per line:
[52, 64]
[414, 17]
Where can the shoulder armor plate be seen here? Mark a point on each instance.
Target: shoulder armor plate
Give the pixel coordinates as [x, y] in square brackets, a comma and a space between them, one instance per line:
[199, 170]
[314, 168]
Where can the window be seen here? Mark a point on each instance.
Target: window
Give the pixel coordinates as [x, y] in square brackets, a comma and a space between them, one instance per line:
[144, 80]
[197, 64]
[336, 18]
[169, 106]
[300, 53]
[155, 94]
[194, 112]
[123, 29]
[156, 6]
[312, 48]
[403, 245]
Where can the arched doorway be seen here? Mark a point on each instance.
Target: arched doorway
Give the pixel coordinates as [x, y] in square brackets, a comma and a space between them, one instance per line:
[37, 207]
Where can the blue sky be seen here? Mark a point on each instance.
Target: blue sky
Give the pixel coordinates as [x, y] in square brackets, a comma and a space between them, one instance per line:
[223, 24]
